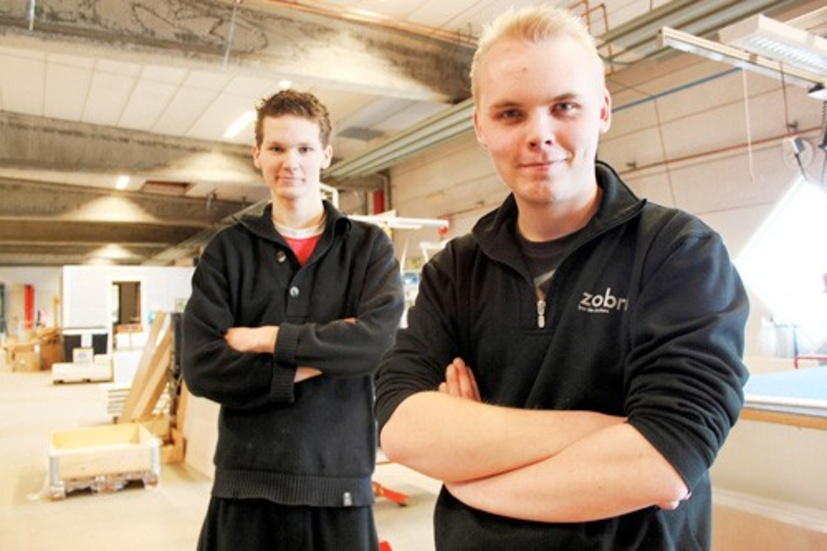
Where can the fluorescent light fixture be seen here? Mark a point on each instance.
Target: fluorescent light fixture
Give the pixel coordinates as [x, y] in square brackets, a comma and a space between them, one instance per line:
[779, 41]
[367, 14]
[735, 56]
[240, 124]
[122, 182]
[285, 84]
[390, 220]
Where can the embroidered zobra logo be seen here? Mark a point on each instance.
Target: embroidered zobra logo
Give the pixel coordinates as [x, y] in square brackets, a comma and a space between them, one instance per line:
[602, 303]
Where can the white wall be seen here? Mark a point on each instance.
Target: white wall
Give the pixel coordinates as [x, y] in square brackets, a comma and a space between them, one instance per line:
[87, 299]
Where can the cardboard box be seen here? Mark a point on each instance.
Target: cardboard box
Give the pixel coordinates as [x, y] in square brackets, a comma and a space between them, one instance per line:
[50, 353]
[25, 357]
[103, 458]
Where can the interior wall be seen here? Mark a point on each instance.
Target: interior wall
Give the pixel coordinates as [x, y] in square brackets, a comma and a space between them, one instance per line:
[87, 292]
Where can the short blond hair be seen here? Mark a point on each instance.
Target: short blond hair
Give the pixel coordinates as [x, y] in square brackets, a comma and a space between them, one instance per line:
[532, 24]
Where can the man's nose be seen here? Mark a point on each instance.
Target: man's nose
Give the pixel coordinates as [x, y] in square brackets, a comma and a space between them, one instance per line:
[291, 158]
[541, 131]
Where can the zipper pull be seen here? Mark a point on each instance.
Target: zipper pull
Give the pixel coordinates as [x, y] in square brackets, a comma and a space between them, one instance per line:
[541, 312]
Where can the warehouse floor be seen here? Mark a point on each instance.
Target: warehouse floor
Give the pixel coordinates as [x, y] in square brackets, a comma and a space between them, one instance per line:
[168, 517]
[165, 518]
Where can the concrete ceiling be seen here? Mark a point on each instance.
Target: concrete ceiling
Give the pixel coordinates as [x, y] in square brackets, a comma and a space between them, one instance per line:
[91, 90]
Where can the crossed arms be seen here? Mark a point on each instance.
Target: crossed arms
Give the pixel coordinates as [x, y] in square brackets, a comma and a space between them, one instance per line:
[548, 466]
[262, 340]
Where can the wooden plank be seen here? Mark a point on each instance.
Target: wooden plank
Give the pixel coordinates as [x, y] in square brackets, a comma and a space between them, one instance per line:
[784, 418]
[181, 409]
[141, 373]
[156, 381]
[173, 452]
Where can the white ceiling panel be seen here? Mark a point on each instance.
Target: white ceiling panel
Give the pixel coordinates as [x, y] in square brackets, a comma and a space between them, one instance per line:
[465, 17]
[22, 82]
[69, 60]
[451, 16]
[208, 80]
[218, 116]
[245, 86]
[183, 110]
[124, 68]
[394, 10]
[67, 82]
[108, 95]
[166, 74]
[147, 102]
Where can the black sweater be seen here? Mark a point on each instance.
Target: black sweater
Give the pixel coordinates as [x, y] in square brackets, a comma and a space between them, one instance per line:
[645, 320]
[310, 443]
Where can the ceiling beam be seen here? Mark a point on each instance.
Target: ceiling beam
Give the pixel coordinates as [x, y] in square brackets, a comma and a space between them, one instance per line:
[61, 233]
[71, 150]
[26, 200]
[66, 255]
[250, 37]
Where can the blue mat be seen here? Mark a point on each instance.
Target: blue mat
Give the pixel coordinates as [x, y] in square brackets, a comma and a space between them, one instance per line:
[802, 390]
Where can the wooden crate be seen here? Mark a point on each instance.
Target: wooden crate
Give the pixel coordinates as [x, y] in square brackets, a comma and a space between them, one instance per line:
[103, 459]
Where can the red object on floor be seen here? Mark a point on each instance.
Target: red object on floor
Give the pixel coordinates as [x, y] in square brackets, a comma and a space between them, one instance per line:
[397, 497]
[384, 545]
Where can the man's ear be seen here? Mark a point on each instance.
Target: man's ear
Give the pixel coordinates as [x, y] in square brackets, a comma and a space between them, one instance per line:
[255, 151]
[328, 156]
[478, 131]
[606, 112]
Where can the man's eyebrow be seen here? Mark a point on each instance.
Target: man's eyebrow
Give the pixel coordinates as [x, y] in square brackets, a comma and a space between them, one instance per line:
[566, 96]
[505, 104]
[510, 104]
[287, 144]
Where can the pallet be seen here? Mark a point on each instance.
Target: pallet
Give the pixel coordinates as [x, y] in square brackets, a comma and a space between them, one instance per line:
[102, 484]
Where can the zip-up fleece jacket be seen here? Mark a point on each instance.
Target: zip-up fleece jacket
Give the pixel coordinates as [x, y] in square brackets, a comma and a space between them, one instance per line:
[645, 319]
[310, 443]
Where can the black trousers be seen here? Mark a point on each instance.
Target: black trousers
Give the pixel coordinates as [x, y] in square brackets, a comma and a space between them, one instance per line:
[253, 524]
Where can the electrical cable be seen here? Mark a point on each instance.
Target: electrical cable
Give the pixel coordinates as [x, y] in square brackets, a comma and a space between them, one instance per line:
[31, 14]
[230, 33]
[795, 143]
[749, 127]
[823, 145]
[665, 158]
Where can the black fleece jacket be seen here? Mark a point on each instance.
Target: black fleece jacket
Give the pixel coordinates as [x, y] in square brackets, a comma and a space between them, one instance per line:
[314, 442]
[645, 319]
